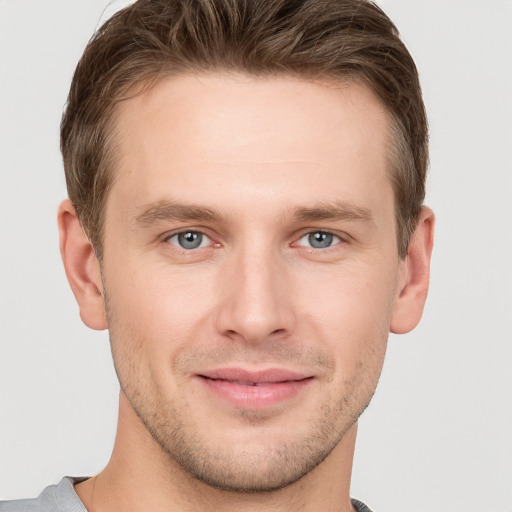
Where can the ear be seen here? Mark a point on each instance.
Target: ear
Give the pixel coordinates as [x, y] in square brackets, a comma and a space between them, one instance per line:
[82, 267]
[414, 276]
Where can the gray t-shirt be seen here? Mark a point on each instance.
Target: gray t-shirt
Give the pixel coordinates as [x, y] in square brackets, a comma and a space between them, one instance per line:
[63, 498]
[55, 498]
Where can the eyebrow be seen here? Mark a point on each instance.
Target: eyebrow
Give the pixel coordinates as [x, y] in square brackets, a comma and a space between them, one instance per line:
[335, 211]
[168, 210]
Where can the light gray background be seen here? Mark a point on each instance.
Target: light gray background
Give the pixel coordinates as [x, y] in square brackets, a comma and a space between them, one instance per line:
[438, 435]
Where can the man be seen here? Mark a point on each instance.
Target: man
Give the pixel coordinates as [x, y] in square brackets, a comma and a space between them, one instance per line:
[245, 216]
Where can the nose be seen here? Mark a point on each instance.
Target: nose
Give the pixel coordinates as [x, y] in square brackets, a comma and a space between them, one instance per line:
[256, 303]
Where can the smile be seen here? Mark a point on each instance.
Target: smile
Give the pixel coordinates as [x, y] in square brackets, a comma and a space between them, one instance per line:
[254, 390]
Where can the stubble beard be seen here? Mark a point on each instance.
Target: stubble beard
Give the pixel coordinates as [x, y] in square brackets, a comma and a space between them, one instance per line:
[268, 468]
[264, 470]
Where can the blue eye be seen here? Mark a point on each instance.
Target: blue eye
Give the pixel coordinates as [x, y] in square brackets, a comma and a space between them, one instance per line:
[189, 240]
[319, 240]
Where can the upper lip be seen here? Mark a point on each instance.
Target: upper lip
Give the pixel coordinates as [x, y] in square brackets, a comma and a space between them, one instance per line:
[259, 376]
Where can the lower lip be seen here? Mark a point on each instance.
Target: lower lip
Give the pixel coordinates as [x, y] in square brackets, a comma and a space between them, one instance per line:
[255, 397]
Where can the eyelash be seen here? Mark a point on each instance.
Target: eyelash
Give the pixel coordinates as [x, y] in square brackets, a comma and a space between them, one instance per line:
[170, 236]
[335, 240]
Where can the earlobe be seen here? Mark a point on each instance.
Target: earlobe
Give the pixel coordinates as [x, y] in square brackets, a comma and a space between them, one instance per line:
[82, 267]
[415, 274]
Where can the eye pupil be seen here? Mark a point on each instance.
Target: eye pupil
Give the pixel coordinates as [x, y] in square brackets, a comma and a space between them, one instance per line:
[190, 239]
[320, 239]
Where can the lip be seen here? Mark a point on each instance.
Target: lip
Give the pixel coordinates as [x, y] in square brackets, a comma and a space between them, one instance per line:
[256, 390]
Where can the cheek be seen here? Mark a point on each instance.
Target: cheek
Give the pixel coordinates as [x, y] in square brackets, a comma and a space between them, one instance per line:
[350, 310]
[156, 313]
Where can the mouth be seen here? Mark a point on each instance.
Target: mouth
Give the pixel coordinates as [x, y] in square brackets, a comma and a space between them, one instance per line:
[254, 390]
[246, 383]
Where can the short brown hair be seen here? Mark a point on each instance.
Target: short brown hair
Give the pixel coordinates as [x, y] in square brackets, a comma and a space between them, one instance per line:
[152, 39]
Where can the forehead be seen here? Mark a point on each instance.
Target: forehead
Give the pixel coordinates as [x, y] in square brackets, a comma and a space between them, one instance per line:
[204, 135]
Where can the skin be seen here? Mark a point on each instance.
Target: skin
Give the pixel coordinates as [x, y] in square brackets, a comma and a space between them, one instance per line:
[253, 166]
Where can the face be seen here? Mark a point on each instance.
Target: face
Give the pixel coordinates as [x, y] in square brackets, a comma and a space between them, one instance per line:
[250, 269]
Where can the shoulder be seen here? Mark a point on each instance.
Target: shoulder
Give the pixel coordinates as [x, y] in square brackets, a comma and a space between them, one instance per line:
[54, 498]
[359, 506]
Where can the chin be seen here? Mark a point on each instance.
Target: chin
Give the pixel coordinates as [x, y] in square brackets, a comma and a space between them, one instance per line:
[263, 472]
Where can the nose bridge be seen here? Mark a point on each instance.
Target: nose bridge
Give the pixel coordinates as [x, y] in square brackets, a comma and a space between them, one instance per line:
[257, 301]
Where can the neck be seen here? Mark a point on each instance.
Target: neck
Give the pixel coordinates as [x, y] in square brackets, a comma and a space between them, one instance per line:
[141, 476]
